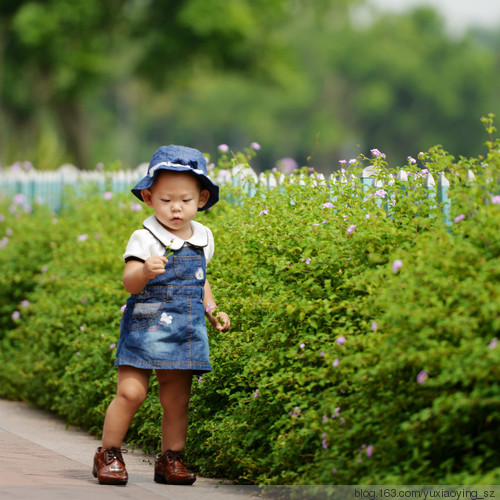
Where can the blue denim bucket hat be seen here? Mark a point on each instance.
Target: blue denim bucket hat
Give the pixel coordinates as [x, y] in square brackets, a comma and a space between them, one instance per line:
[179, 159]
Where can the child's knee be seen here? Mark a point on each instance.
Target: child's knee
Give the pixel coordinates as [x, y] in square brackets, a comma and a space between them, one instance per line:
[131, 395]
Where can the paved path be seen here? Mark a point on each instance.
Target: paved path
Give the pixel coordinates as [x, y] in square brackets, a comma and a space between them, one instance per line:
[42, 459]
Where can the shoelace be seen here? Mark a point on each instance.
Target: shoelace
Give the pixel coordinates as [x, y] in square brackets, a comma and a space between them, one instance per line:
[114, 454]
[175, 456]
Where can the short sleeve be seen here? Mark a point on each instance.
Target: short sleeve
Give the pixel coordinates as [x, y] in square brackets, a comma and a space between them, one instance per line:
[210, 248]
[142, 245]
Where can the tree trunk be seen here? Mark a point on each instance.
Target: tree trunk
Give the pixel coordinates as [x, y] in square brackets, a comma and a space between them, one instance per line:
[74, 131]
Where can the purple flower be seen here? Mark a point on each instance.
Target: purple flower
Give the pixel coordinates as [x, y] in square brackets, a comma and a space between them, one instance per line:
[342, 162]
[369, 450]
[412, 160]
[255, 145]
[351, 229]
[374, 326]
[341, 340]
[223, 147]
[256, 394]
[493, 343]
[19, 199]
[100, 166]
[337, 412]
[136, 207]
[307, 261]
[264, 212]
[82, 237]
[112, 346]
[381, 193]
[336, 362]
[323, 442]
[25, 303]
[210, 308]
[328, 205]
[396, 266]
[302, 345]
[495, 199]
[377, 153]
[286, 165]
[325, 419]
[78, 353]
[16, 315]
[322, 354]
[459, 218]
[122, 308]
[108, 195]
[422, 376]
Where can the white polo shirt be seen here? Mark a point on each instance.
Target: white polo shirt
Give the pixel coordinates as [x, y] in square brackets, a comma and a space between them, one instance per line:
[154, 238]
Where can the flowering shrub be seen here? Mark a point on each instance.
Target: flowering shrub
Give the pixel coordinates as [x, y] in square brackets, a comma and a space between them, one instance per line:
[363, 347]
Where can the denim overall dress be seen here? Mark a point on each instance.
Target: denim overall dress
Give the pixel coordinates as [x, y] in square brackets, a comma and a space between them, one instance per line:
[163, 326]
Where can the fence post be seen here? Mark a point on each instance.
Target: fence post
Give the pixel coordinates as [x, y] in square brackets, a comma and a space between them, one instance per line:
[379, 183]
[470, 177]
[443, 199]
[366, 181]
[430, 187]
[389, 196]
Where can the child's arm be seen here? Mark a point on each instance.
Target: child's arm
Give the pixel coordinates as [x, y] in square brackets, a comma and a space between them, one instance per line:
[221, 322]
[136, 274]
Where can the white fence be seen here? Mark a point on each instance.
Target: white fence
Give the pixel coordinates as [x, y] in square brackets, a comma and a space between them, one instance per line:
[48, 187]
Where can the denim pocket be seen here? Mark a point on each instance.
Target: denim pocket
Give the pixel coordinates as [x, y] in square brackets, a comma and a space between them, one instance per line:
[145, 314]
[188, 267]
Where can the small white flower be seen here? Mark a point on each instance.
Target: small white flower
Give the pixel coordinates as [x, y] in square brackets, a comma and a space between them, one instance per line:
[166, 318]
[199, 274]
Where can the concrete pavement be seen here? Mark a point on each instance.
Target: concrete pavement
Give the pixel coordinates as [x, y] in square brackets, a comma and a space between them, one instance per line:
[42, 459]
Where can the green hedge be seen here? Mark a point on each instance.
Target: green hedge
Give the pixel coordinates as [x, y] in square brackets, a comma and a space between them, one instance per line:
[341, 366]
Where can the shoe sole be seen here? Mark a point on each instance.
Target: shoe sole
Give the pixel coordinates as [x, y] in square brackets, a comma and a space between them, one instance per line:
[117, 483]
[159, 478]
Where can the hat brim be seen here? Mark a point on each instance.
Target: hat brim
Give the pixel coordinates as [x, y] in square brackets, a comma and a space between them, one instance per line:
[146, 182]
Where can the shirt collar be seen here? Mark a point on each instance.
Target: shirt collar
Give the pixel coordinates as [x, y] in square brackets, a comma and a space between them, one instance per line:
[199, 238]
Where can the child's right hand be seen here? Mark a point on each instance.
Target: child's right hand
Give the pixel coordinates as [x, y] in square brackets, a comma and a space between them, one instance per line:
[153, 266]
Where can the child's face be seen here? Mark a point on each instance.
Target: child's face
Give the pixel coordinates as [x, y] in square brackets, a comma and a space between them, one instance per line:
[175, 198]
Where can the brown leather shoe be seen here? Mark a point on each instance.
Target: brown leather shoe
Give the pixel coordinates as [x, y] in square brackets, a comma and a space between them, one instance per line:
[109, 466]
[170, 469]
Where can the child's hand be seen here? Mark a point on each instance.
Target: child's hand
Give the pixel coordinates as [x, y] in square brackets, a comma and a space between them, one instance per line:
[220, 321]
[153, 266]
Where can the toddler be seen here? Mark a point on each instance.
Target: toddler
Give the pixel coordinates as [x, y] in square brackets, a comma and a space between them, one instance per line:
[163, 325]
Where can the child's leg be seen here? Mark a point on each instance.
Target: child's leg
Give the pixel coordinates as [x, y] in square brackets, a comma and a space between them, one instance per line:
[175, 391]
[130, 394]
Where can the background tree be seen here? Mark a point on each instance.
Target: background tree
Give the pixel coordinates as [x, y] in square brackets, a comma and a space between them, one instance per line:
[87, 81]
[61, 49]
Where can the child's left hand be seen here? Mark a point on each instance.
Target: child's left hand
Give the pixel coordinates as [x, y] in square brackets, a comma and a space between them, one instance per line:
[220, 321]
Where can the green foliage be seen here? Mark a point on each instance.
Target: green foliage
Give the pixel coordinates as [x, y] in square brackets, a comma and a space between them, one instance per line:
[341, 367]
